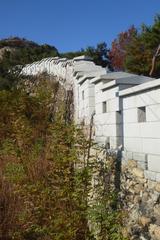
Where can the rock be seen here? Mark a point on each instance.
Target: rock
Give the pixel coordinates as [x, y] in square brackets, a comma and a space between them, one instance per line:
[135, 216]
[136, 230]
[144, 221]
[125, 232]
[150, 175]
[157, 210]
[132, 164]
[144, 238]
[145, 196]
[154, 231]
[138, 172]
[138, 188]
[157, 187]
[151, 184]
[142, 180]
[155, 196]
[141, 199]
[157, 233]
[137, 199]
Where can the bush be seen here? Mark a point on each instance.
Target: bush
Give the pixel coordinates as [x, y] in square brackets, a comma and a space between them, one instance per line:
[45, 172]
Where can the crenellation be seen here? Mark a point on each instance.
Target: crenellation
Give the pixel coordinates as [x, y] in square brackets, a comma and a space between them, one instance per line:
[126, 107]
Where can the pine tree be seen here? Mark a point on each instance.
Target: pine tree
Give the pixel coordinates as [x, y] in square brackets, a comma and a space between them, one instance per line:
[142, 48]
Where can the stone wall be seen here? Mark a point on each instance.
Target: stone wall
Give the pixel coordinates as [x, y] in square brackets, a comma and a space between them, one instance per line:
[125, 98]
[141, 201]
[141, 128]
[109, 123]
[140, 178]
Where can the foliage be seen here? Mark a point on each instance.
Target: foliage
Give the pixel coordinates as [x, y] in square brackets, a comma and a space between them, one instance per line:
[18, 52]
[99, 54]
[118, 51]
[16, 42]
[71, 55]
[133, 50]
[141, 50]
[23, 51]
[105, 213]
[38, 152]
[45, 170]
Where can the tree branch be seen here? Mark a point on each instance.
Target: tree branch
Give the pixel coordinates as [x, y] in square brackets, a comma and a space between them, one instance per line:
[157, 54]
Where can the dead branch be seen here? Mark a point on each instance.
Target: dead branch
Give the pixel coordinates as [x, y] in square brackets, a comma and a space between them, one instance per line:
[156, 55]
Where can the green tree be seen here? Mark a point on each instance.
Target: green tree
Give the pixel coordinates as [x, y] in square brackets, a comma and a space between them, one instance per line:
[99, 54]
[142, 48]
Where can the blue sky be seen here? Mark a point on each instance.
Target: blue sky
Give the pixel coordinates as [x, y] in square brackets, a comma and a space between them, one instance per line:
[73, 24]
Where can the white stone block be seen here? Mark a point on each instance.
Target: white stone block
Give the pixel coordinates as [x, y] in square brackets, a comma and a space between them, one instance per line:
[111, 130]
[105, 118]
[142, 165]
[131, 130]
[129, 102]
[154, 163]
[98, 108]
[91, 101]
[148, 98]
[151, 97]
[133, 144]
[150, 175]
[153, 112]
[113, 105]
[110, 93]
[101, 140]
[99, 130]
[91, 91]
[142, 157]
[151, 145]
[150, 129]
[157, 177]
[128, 155]
[130, 115]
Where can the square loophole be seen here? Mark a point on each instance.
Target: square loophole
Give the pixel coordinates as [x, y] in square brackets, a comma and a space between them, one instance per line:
[142, 114]
[104, 107]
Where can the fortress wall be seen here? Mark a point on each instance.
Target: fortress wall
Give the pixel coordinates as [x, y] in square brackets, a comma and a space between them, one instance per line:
[126, 107]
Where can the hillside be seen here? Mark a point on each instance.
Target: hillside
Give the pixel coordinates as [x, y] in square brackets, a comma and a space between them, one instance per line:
[21, 51]
[16, 50]
[17, 42]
